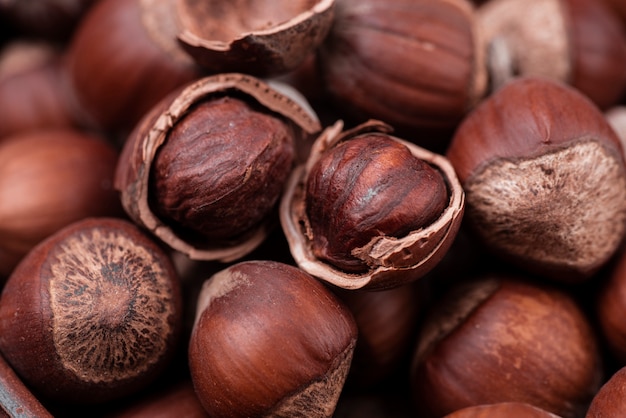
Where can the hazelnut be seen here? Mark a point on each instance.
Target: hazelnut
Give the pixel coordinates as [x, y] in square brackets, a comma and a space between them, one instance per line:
[502, 410]
[49, 179]
[610, 401]
[544, 177]
[122, 59]
[269, 340]
[417, 65]
[33, 93]
[92, 313]
[253, 37]
[503, 338]
[577, 42]
[610, 308]
[205, 168]
[370, 210]
[17, 400]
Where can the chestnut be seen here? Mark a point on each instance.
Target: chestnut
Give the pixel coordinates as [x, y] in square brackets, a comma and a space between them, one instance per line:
[92, 313]
[205, 168]
[269, 340]
[370, 210]
[502, 410]
[122, 59]
[578, 42]
[502, 337]
[544, 177]
[417, 65]
[49, 179]
[610, 400]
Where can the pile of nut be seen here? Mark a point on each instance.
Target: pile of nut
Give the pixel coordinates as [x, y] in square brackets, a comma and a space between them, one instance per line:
[323, 208]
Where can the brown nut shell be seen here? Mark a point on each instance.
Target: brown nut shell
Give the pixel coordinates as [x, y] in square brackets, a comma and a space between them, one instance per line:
[251, 36]
[135, 164]
[544, 177]
[270, 340]
[92, 313]
[610, 400]
[502, 410]
[390, 261]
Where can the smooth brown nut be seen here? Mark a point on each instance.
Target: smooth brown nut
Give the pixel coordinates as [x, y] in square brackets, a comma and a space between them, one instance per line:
[544, 177]
[122, 59]
[33, 94]
[200, 174]
[578, 42]
[92, 313]
[374, 219]
[610, 401]
[49, 179]
[502, 410]
[255, 37]
[502, 338]
[416, 65]
[269, 340]
[610, 309]
[15, 398]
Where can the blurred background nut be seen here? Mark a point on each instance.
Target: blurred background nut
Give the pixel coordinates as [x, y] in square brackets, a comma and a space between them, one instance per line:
[49, 179]
[500, 337]
[502, 410]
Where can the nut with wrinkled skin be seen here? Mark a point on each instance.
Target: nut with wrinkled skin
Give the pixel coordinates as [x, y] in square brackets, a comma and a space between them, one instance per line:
[544, 177]
[404, 202]
[269, 340]
[200, 174]
[577, 42]
[92, 313]
[503, 338]
[261, 38]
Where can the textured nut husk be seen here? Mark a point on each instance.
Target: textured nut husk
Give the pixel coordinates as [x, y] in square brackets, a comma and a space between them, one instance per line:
[270, 340]
[544, 177]
[578, 42]
[417, 65]
[500, 338]
[392, 261]
[502, 410]
[610, 400]
[92, 313]
[262, 38]
[133, 170]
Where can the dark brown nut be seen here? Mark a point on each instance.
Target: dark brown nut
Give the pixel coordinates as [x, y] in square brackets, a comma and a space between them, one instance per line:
[387, 323]
[200, 174]
[417, 65]
[122, 59]
[255, 37]
[500, 338]
[174, 400]
[577, 42]
[52, 20]
[49, 179]
[502, 410]
[610, 309]
[378, 220]
[33, 94]
[92, 313]
[544, 177]
[270, 340]
[610, 401]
